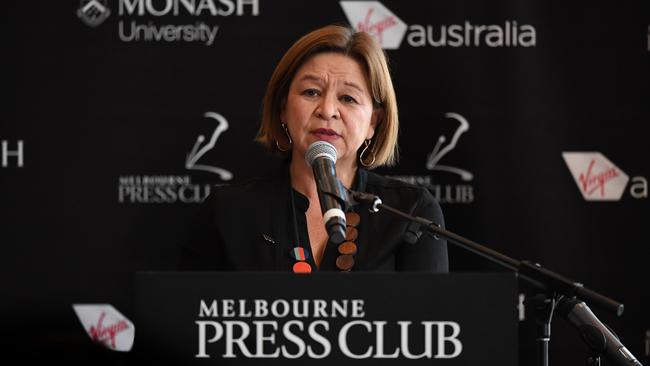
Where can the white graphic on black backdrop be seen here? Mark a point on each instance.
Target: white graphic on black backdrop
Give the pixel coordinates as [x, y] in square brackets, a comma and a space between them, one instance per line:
[439, 152]
[155, 21]
[196, 153]
[93, 12]
[298, 324]
[216, 8]
[198, 31]
[106, 325]
[374, 18]
[173, 188]
[448, 192]
[161, 188]
[9, 153]
[598, 179]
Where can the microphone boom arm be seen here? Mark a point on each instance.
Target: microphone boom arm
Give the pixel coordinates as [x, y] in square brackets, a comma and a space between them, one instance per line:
[532, 272]
[542, 278]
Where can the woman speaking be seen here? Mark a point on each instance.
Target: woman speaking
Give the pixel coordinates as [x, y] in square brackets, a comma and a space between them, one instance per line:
[332, 85]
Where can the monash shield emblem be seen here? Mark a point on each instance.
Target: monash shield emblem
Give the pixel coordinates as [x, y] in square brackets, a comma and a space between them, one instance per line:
[93, 12]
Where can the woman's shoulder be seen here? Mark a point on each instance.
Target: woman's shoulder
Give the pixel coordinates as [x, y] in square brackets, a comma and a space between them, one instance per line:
[264, 183]
[245, 190]
[408, 197]
[379, 182]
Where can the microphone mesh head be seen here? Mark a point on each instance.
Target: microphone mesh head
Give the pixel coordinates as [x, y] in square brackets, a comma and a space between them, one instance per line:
[320, 149]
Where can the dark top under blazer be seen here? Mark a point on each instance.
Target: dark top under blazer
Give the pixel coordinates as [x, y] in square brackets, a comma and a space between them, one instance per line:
[230, 232]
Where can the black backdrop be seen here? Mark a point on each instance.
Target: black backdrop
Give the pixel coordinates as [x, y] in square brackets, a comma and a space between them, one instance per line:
[100, 174]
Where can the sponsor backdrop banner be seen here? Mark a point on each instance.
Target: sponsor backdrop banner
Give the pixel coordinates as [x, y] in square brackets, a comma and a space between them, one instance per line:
[524, 119]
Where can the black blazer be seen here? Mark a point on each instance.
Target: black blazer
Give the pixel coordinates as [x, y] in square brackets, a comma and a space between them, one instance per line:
[250, 227]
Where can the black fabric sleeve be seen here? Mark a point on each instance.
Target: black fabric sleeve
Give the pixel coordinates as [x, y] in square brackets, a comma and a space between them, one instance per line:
[428, 253]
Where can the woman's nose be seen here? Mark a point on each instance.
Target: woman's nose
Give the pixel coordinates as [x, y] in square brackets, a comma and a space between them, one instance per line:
[328, 108]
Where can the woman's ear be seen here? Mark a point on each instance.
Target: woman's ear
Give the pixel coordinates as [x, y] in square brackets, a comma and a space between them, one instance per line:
[283, 107]
[375, 121]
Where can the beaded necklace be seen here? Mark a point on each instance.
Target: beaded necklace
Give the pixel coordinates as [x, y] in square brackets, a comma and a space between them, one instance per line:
[347, 249]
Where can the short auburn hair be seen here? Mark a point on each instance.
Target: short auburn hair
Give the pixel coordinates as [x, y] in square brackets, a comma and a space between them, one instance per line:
[363, 48]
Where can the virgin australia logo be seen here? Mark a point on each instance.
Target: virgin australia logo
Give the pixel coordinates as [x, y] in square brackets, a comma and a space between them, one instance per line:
[374, 18]
[106, 325]
[597, 178]
[93, 12]
[601, 180]
[191, 162]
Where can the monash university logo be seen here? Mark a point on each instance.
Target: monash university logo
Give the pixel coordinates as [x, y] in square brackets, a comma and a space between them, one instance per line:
[166, 20]
[373, 17]
[601, 180]
[7, 152]
[93, 12]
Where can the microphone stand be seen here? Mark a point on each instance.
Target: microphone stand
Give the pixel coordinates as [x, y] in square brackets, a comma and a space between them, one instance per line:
[564, 291]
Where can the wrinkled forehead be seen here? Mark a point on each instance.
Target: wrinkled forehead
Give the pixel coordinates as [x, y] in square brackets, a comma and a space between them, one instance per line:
[332, 67]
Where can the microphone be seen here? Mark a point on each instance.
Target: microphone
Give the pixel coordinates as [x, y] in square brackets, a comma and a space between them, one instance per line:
[597, 336]
[321, 156]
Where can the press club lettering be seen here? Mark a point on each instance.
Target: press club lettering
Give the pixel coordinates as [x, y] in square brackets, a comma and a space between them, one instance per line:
[316, 329]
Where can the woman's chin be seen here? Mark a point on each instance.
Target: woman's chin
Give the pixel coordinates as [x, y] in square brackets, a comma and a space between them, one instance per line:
[332, 139]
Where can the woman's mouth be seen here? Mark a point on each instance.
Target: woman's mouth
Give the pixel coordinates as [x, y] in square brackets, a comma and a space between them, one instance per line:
[326, 134]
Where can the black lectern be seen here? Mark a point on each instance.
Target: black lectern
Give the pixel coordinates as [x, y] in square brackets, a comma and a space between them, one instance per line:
[235, 318]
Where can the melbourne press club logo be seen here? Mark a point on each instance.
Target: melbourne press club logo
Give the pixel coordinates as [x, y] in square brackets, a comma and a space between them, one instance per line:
[154, 21]
[228, 321]
[170, 188]
[459, 189]
[598, 179]
[375, 18]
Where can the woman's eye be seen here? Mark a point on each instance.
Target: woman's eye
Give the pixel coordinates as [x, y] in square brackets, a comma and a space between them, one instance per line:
[311, 92]
[348, 99]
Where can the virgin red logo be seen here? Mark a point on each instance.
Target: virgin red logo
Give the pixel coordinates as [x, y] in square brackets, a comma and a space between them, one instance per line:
[376, 28]
[100, 333]
[106, 325]
[590, 181]
[597, 178]
[374, 18]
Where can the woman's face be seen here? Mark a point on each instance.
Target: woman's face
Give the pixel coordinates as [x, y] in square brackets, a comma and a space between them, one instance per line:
[329, 100]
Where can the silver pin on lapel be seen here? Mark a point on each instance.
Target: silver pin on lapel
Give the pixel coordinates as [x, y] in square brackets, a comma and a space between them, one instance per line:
[268, 238]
